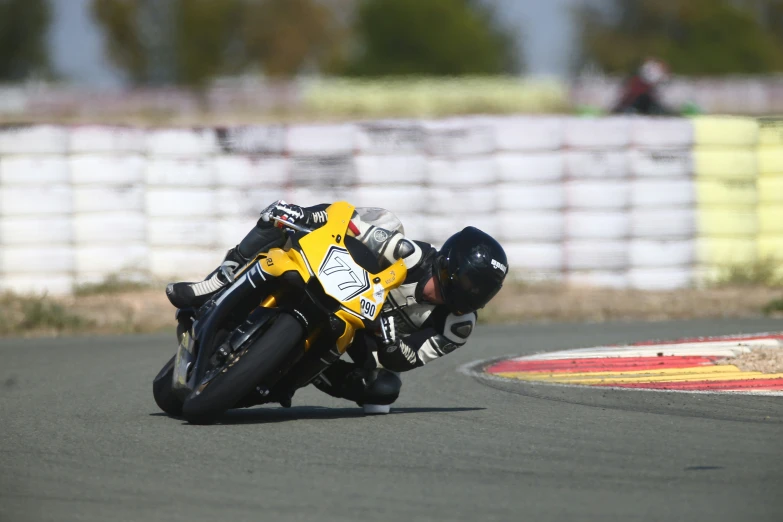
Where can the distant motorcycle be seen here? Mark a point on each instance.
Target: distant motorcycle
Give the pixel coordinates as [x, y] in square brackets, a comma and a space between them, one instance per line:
[289, 314]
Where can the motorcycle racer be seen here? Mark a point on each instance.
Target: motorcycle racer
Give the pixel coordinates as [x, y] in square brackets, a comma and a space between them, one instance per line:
[640, 94]
[431, 314]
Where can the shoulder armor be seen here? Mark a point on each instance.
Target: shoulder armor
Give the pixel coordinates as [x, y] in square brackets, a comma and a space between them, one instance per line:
[404, 249]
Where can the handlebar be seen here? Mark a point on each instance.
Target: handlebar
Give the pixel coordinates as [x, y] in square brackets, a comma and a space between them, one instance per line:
[298, 228]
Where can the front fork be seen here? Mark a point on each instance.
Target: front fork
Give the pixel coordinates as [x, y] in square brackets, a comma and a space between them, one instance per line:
[190, 332]
[184, 357]
[318, 355]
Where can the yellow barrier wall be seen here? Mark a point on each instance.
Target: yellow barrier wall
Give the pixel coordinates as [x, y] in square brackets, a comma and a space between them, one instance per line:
[770, 186]
[726, 169]
[433, 97]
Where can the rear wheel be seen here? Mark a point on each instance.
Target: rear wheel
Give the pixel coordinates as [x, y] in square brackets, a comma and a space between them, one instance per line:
[163, 392]
[252, 365]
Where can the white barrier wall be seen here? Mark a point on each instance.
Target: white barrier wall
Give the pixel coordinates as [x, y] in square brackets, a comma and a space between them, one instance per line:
[529, 216]
[620, 202]
[109, 221]
[662, 205]
[36, 210]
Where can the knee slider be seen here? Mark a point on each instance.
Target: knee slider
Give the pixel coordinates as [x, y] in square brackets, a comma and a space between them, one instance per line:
[383, 389]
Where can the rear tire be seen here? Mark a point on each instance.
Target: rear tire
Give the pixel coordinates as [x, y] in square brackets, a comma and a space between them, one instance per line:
[163, 392]
[259, 361]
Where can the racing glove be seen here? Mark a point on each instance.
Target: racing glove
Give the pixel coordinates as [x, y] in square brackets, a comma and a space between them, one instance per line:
[293, 214]
[388, 331]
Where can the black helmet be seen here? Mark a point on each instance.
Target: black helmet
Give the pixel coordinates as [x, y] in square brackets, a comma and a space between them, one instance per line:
[470, 269]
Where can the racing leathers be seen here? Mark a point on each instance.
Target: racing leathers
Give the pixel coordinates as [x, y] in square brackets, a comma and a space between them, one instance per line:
[411, 331]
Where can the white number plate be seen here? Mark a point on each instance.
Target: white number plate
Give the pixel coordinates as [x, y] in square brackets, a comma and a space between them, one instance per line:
[368, 308]
[341, 277]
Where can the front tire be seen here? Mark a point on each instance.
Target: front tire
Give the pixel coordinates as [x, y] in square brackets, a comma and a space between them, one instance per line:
[163, 393]
[253, 365]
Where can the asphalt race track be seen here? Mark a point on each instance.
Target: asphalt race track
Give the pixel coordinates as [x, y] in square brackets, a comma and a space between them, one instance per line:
[82, 439]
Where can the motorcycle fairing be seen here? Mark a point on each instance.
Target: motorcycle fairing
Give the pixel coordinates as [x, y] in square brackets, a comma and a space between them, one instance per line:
[322, 254]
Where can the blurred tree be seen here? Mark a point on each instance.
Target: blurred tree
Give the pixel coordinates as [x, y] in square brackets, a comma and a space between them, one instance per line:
[120, 21]
[23, 29]
[206, 43]
[700, 37]
[769, 13]
[192, 41]
[431, 37]
[169, 41]
[286, 36]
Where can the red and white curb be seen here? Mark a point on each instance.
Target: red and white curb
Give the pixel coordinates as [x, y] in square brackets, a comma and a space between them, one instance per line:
[689, 365]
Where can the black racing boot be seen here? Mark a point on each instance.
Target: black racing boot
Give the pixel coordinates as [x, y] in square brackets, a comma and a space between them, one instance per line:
[383, 388]
[374, 390]
[193, 295]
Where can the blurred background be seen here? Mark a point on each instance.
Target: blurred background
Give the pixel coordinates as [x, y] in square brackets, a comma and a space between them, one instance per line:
[634, 146]
[167, 59]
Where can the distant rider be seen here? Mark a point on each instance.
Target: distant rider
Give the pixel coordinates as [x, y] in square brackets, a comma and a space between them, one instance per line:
[431, 314]
[640, 92]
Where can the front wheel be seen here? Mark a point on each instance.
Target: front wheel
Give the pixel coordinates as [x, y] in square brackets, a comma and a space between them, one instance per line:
[252, 365]
[163, 392]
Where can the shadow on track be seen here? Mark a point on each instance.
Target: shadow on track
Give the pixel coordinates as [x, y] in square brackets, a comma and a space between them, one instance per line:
[278, 414]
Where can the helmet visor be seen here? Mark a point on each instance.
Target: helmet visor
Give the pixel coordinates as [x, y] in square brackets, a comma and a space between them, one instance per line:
[470, 289]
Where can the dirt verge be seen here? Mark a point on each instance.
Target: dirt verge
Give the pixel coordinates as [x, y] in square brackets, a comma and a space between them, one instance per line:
[551, 302]
[148, 310]
[765, 360]
[138, 311]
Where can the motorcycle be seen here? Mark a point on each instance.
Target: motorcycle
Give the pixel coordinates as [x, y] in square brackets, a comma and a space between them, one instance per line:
[290, 313]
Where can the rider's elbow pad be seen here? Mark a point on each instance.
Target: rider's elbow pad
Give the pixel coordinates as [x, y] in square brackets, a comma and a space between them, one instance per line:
[404, 249]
